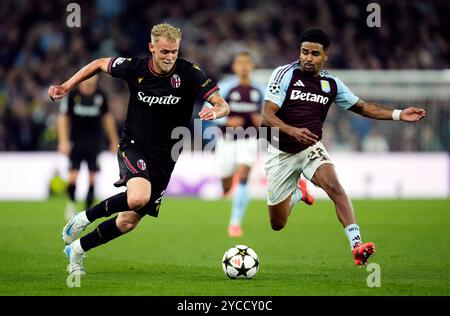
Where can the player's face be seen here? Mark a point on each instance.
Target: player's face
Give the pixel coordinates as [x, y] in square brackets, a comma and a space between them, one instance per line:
[312, 57]
[165, 54]
[242, 65]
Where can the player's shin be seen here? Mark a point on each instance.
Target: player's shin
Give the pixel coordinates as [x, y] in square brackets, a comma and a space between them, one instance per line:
[240, 202]
[112, 205]
[104, 233]
[70, 207]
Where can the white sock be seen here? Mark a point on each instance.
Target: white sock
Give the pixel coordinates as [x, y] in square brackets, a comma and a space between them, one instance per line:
[76, 246]
[83, 217]
[352, 232]
[295, 197]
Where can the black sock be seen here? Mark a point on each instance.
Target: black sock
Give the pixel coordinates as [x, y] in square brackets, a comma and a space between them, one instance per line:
[90, 196]
[104, 232]
[71, 190]
[114, 204]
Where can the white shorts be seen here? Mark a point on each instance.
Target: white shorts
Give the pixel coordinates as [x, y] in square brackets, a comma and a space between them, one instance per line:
[284, 169]
[232, 153]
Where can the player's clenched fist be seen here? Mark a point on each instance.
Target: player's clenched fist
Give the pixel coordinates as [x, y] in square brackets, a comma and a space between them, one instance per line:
[56, 92]
[207, 114]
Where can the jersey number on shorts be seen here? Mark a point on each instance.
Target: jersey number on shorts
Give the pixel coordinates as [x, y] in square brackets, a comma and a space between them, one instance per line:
[317, 153]
[158, 200]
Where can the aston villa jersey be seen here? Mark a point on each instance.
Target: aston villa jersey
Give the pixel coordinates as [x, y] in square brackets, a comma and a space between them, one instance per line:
[304, 101]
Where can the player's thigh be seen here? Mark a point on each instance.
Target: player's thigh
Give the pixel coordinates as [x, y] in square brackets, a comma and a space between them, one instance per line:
[138, 191]
[315, 157]
[282, 170]
[326, 178]
[134, 174]
[160, 178]
[226, 157]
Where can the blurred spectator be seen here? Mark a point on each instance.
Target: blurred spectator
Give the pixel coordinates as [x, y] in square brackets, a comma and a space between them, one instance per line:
[429, 140]
[375, 142]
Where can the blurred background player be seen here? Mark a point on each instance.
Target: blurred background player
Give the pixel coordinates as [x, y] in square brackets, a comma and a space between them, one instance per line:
[237, 152]
[297, 101]
[82, 113]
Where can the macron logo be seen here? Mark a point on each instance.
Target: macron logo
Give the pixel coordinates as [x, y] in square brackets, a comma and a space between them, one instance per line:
[311, 97]
[299, 83]
[150, 100]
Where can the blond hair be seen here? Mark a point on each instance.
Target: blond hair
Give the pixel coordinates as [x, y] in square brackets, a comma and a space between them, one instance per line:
[165, 30]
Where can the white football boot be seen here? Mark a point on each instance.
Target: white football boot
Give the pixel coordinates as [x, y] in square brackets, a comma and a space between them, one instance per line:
[75, 265]
[74, 227]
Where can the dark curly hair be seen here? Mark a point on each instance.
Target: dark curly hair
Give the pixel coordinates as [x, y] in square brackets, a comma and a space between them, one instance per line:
[315, 36]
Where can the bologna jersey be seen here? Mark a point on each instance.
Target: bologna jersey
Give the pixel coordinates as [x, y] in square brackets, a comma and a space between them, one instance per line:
[85, 113]
[159, 103]
[304, 101]
[244, 100]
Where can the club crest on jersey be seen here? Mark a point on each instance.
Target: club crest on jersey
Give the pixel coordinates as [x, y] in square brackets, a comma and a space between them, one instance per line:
[175, 81]
[325, 86]
[141, 164]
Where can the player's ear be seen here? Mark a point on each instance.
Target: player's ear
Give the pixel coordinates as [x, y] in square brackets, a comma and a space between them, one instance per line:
[151, 47]
[326, 55]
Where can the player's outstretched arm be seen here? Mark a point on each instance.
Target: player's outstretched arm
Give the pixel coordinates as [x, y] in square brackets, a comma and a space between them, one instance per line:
[220, 108]
[59, 91]
[379, 112]
[269, 119]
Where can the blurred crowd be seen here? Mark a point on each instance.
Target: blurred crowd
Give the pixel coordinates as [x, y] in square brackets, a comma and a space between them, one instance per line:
[39, 49]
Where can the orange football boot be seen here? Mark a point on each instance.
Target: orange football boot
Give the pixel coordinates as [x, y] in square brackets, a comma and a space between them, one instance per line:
[362, 252]
[307, 197]
[235, 231]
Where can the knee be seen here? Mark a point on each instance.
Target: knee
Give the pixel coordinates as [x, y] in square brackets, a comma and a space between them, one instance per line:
[277, 224]
[137, 200]
[226, 189]
[126, 225]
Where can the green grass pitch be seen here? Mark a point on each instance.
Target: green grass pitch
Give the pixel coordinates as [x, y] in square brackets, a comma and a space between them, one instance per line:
[180, 252]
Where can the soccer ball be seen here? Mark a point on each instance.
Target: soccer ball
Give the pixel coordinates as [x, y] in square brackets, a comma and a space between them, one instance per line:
[240, 262]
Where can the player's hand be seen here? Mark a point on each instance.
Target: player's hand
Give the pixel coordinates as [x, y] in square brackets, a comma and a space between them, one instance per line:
[64, 148]
[235, 121]
[56, 92]
[303, 135]
[207, 114]
[412, 114]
